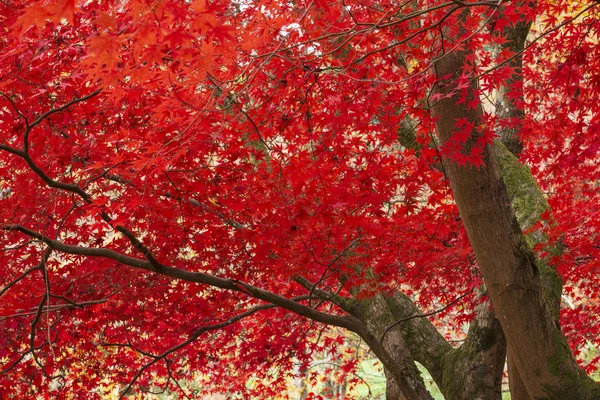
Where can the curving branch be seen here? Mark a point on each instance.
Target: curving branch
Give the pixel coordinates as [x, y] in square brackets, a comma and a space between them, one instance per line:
[195, 335]
[347, 322]
[72, 188]
[429, 314]
[40, 308]
[48, 113]
[18, 279]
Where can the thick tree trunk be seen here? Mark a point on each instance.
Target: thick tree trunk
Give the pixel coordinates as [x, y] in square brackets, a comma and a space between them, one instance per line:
[526, 198]
[471, 372]
[528, 203]
[518, 391]
[392, 391]
[392, 351]
[474, 370]
[510, 270]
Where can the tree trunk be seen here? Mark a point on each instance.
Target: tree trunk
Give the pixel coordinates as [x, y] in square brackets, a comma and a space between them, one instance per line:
[392, 351]
[474, 370]
[471, 372]
[515, 382]
[505, 105]
[392, 391]
[509, 268]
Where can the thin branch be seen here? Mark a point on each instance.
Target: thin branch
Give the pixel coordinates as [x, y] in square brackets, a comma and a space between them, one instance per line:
[55, 307]
[17, 279]
[24, 154]
[374, 26]
[45, 115]
[320, 293]
[40, 308]
[195, 335]
[73, 303]
[339, 256]
[423, 315]
[19, 246]
[542, 35]
[14, 105]
[170, 372]
[63, 107]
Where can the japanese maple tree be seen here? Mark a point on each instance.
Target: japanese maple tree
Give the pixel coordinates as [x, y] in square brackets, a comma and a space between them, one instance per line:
[196, 190]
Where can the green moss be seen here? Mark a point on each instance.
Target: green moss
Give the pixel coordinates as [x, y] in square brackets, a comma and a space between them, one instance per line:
[529, 203]
[527, 200]
[464, 368]
[552, 285]
[560, 356]
[454, 378]
[407, 136]
[575, 384]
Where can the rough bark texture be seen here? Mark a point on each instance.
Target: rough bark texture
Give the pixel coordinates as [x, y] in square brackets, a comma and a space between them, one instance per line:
[472, 371]
[526, 199]
[392, 351]
[510, 269]
[528, 203]
[518, 391]
[392, 391]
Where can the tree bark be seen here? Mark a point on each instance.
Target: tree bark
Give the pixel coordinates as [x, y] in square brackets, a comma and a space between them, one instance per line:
[392, 391]
[509, 268]
[518, 391]
[528, 203]
[505, 107]
[392, 351]
[472, 371]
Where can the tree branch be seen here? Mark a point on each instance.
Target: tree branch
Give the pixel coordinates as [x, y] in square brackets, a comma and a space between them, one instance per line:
[439, 310]
[63, 107]
[17, 279]
[195, 335]
[347, 322]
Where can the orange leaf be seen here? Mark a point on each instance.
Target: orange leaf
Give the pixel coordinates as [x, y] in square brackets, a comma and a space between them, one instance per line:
[34, 15]
[63, 9]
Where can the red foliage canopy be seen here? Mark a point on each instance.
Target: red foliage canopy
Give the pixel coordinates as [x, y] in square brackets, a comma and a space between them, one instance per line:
[174, 173]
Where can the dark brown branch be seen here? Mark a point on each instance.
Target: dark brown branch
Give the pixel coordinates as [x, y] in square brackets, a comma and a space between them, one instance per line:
[50, 112]
[18, 246]
[17, 279]
[40, 308]
[320, 293]
[24, 154]
[347, 322]
[53, 308]
[330, 265]
[63, 107]
[135, 242]
[374, 26]
[231, 222]
[176, 382]
[12, 150]
[195, 335]
[14, 105]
